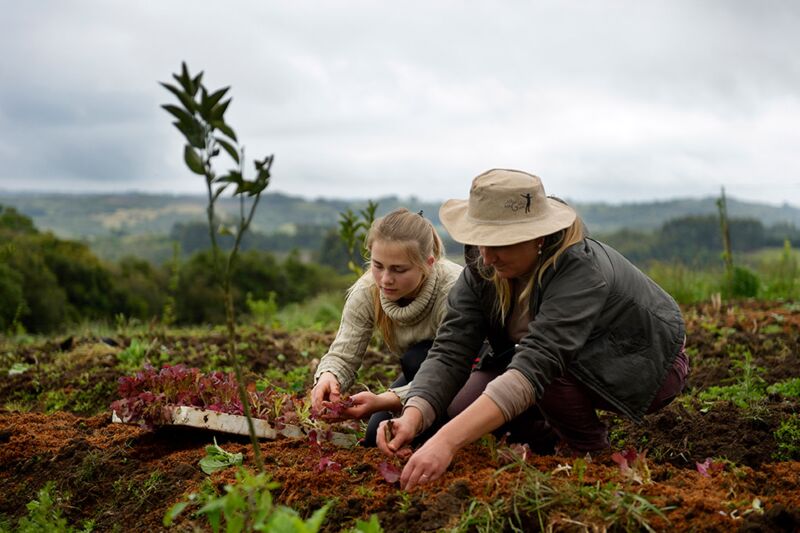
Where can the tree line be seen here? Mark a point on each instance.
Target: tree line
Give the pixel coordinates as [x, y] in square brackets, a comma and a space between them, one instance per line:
[47, 283]
[696, 240]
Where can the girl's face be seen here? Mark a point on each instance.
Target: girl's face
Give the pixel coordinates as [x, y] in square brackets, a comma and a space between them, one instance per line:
[512, 261]
[393, 272]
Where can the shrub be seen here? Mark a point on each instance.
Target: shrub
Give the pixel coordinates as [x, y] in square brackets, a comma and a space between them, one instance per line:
[745, 283]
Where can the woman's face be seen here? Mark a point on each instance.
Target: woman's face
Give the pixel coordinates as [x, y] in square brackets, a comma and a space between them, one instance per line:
[512, 261]
[393, 272]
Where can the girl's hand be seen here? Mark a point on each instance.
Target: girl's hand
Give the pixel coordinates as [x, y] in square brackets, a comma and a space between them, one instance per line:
[428, 463]
[326, 389]
[360, 406]
[366, 403]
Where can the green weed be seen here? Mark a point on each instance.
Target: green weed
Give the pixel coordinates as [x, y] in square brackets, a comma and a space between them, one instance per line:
[287, 381]
[543, 503]
[749, 389]
[404, 502]
[370, 526]
[365, 491]
[246, 505]
[45, 513]
[789, 388]
[55, 400]
[787, 438]
[134, 356]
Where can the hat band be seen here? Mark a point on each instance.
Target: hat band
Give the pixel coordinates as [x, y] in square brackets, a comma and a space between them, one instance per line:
[474, 220]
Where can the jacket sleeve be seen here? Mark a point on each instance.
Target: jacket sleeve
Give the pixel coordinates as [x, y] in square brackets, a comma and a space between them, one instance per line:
[573, 299]
[347, 351]
[457, 341]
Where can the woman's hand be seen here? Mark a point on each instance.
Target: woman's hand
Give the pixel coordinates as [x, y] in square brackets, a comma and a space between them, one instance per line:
[428, 463]
[432, 459]
[395, 435]
[326, 389]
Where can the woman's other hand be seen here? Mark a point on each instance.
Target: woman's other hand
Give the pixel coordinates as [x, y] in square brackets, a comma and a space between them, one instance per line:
[326, 389]
[428, 463]
[395, 435]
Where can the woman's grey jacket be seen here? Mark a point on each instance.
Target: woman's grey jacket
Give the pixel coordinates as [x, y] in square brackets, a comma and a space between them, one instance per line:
[594, 315]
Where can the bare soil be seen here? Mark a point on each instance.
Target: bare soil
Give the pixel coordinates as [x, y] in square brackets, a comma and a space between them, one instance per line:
[125, 477]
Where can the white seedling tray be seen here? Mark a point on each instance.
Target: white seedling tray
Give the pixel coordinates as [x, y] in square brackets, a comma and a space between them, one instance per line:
[225, 423]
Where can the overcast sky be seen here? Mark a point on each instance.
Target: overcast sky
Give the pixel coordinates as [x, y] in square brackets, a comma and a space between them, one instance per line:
[606, 101]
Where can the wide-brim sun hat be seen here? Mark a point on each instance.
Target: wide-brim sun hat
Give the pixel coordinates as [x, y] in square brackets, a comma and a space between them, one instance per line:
[504, 207]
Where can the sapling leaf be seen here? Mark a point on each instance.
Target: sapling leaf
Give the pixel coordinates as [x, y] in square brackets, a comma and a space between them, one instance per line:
[185, 99]
[220, 190]
[219, 110]
[192, 134]
[224, 128]
[193, 160]
[178, 113]
[209, 101]
[196, 82]
[228, 148]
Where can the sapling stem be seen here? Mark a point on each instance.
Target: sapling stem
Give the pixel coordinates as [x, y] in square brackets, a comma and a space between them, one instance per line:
[200, 120]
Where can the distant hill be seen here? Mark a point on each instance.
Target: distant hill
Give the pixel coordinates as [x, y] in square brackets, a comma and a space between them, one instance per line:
[88, 216]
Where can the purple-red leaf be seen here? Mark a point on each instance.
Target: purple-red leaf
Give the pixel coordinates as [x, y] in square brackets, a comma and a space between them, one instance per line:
[326, 463]
[709, 467]
[390, 472]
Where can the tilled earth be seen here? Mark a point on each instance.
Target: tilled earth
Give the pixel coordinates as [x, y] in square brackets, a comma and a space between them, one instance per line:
[55, 426]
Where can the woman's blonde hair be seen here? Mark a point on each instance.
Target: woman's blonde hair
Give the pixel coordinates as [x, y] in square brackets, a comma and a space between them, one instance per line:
[552, 247]
[420, 241]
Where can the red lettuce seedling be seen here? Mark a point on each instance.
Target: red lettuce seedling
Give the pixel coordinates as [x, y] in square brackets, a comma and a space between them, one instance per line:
[709, 467]
[334, 410]
[390, 472]
[633, 465]
[145, 396]
[326, 463]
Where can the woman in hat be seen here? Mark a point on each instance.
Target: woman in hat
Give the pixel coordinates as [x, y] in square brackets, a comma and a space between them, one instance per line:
[573, 327]
[403, 295]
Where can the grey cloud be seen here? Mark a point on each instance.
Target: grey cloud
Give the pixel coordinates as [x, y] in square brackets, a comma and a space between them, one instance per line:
[358, 98]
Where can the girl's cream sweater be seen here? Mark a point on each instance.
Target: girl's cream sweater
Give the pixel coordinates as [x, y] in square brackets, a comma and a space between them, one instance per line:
[415, 322]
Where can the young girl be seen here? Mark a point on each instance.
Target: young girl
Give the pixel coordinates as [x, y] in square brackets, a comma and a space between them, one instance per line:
[404, 296]
[573, 326]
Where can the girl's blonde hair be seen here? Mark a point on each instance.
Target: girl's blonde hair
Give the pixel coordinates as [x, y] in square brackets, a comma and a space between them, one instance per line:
[553, 246]
[420, 241]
